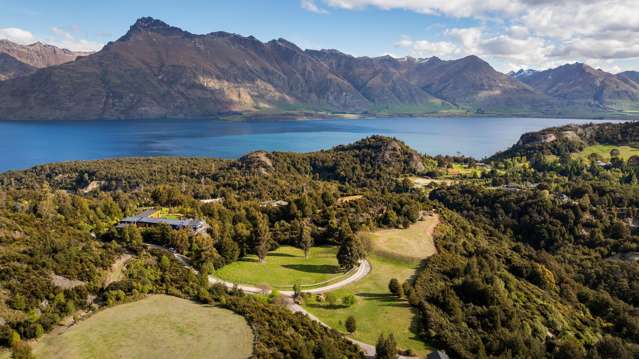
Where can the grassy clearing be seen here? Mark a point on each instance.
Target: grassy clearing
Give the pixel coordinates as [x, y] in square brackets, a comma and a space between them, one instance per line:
[409, 245]
[421, 182]
[625, 152]
[459, 170]
[284, 267]
[394, 255]
[157, 327]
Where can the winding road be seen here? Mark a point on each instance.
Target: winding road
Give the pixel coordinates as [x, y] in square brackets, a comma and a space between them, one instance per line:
[362, 271]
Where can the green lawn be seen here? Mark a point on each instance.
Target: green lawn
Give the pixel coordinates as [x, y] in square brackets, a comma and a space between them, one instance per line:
[625, 152]
[158, 327]
[376, 310]
[284, 267]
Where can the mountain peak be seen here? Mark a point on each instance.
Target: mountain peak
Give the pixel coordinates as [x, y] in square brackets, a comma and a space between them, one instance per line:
[149, 24]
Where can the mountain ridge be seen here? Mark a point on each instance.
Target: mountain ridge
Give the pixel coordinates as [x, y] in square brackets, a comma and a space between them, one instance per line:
[156, 70]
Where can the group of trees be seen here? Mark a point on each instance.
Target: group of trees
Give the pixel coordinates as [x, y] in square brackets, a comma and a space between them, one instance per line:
[61, 219]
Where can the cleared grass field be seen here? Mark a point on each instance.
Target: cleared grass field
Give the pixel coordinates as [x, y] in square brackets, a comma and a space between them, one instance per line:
[625, 152]
[396, 254]
[158, 327]
[284, 267]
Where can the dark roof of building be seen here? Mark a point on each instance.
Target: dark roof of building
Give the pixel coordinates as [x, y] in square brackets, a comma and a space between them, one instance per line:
[145, 217]
[437, 355]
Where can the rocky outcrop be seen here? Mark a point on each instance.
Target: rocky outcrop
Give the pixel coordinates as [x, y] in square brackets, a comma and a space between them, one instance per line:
[257, 162]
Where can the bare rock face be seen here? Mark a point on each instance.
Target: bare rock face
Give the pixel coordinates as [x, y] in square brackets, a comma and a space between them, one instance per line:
[536, 138]
[39, 55]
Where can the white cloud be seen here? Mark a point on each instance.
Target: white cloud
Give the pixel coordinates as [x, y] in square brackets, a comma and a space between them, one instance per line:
[60, 37]
[19, 36]
[67, 40]
[311, 6]
[424, 48]
[528, 33]
[457, 8]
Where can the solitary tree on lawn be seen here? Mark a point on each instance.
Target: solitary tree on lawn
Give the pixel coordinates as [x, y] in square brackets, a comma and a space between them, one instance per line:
[261, 236]
[305, 239]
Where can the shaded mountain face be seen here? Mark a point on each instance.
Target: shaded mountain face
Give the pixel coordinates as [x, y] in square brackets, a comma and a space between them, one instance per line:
[11, 68]
[583, 84]
[39, 55]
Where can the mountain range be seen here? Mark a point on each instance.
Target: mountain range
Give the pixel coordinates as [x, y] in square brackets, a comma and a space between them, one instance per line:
[159, 71]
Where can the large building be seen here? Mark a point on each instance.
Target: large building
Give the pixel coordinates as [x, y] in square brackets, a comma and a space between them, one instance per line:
[153, 217]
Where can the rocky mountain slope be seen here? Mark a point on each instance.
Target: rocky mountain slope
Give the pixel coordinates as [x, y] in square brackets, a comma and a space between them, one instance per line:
[39, 55]
[580, 83]
[160, 71]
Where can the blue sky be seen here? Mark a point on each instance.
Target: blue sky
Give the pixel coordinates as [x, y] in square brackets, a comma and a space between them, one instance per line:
[508, 33]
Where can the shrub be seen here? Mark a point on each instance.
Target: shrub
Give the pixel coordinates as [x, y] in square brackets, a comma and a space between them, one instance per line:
[395, 288]
[349, 300]
[351, 324]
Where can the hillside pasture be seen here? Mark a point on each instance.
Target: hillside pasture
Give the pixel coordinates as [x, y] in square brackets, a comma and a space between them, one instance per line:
[395, 253]
[625, 152]
[158, 327]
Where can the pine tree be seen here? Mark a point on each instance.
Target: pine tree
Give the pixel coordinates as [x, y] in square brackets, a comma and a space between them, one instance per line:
[305, 239]
[261, 236]
[351, 324]
[386, 347]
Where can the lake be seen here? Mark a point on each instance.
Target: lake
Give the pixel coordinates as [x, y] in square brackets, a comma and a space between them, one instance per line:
[25, 144]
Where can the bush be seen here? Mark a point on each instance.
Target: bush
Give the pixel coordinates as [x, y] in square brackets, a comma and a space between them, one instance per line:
[331, 299]
[351, 324]
[349, 300]
[395, 288]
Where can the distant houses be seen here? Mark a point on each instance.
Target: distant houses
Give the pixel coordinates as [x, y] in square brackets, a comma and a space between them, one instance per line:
[153, 217]
[274, 203]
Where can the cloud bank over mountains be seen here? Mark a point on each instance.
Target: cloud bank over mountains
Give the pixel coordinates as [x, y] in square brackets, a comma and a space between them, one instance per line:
[58, 36]
[522, 33]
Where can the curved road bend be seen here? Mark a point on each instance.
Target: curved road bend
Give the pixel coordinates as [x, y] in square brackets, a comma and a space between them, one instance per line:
[363, 270]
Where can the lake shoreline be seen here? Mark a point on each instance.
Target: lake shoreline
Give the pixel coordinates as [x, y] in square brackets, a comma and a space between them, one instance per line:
[31, 143]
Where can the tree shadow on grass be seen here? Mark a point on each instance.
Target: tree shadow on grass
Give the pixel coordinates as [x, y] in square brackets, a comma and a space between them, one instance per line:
[327, 306]
[382, 297]
[281, 255]
[313, 268]
[247, 259]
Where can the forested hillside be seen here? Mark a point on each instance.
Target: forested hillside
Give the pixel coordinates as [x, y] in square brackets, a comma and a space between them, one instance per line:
[536, 250]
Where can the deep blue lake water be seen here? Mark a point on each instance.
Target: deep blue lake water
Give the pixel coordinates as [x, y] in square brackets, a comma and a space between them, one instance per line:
[25, 144]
